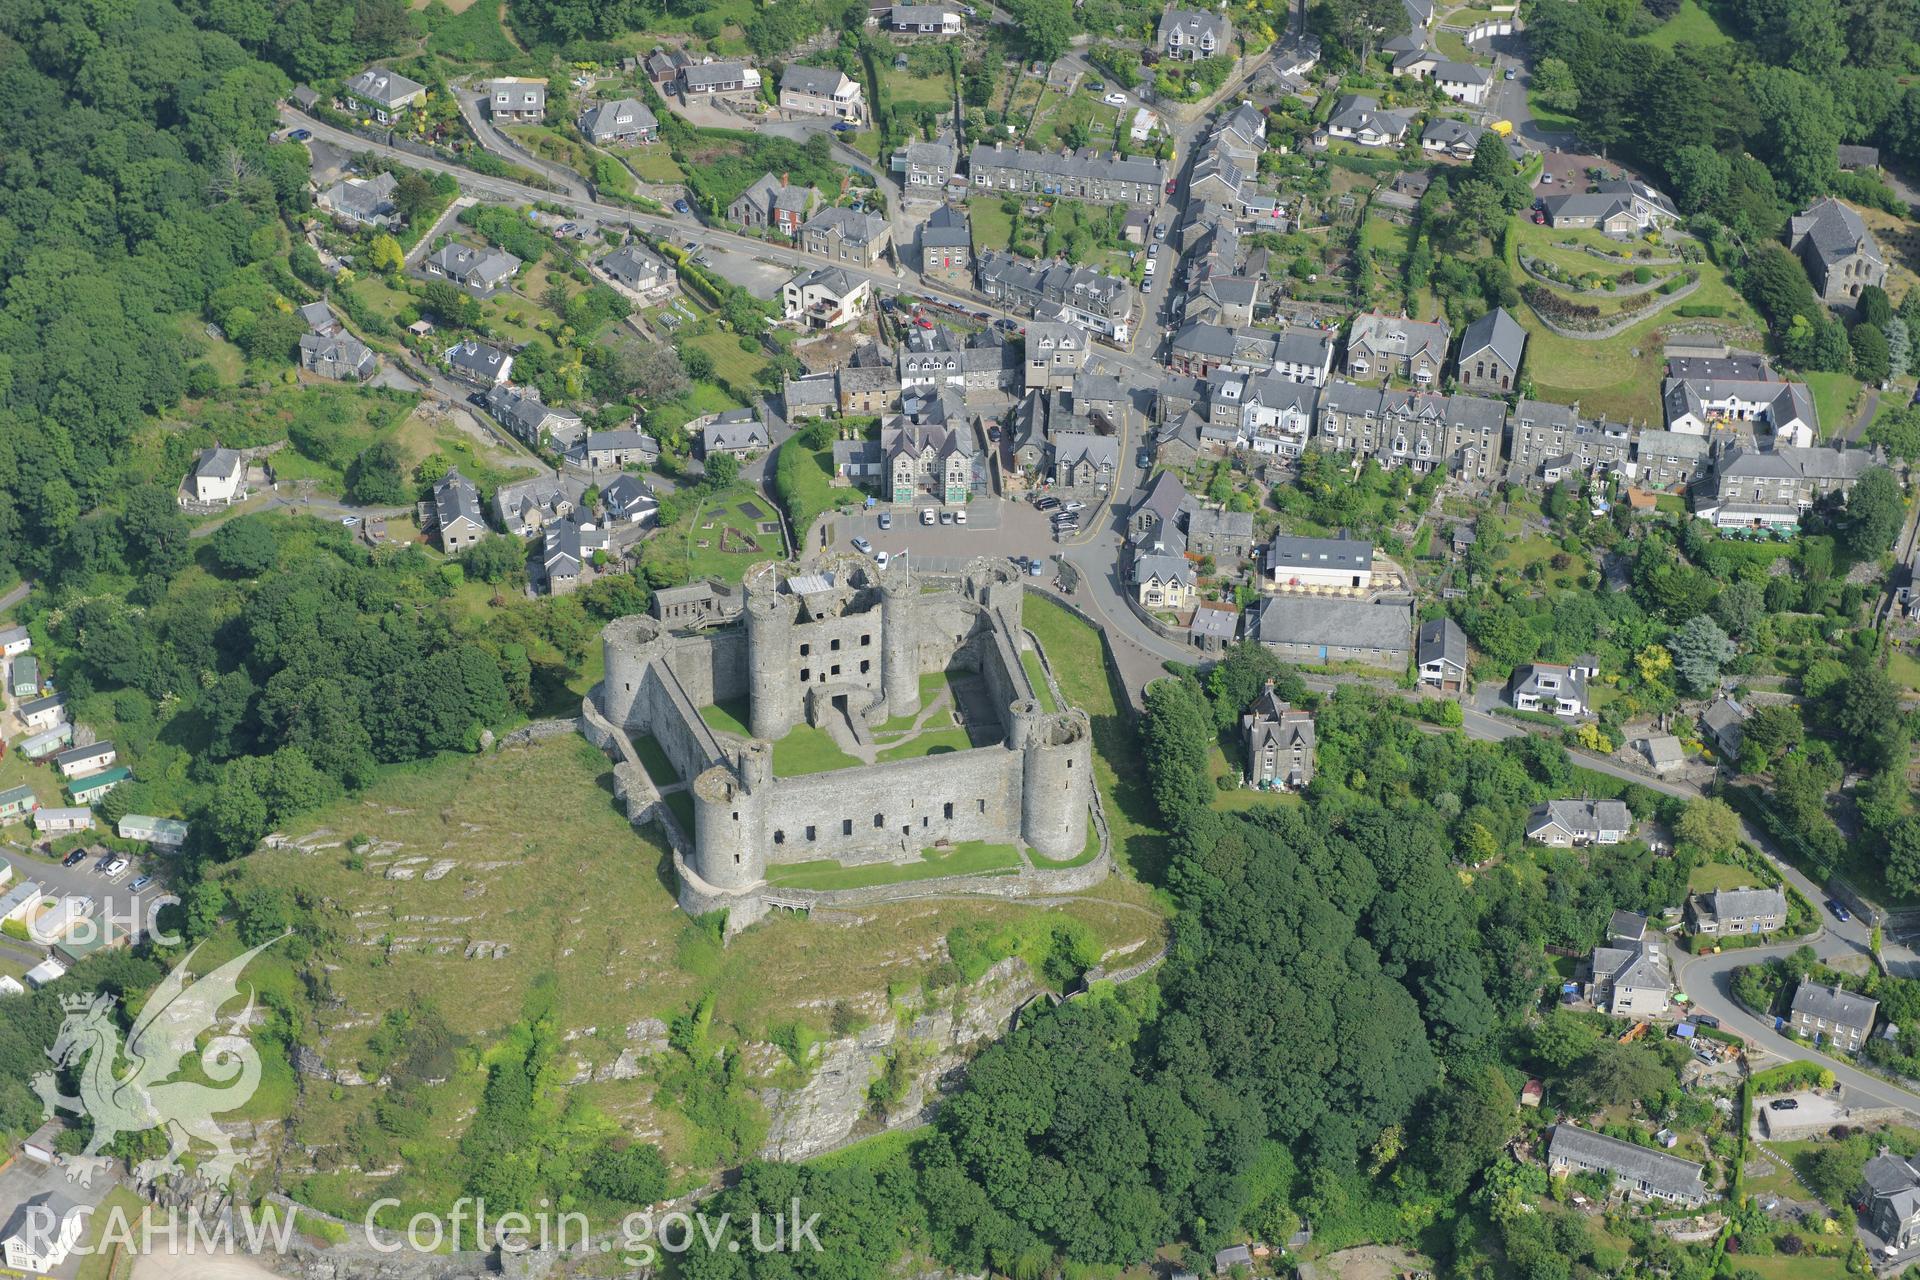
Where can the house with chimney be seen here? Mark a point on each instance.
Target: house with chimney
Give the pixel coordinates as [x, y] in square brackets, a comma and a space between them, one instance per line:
[1840, 254]
[822, 91]
[774, 204]
[1278, 740]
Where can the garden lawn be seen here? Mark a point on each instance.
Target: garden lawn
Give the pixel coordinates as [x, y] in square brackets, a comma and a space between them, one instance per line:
[1833, 399]
[549, 144]
[1689, 24]
[1075, 652]
[973, 858]
[700, 539]
[1715, 876]
[992, 225]
[733, 365]
[904, 87]
[654, 163]
[1904, 670]
[121, 1212]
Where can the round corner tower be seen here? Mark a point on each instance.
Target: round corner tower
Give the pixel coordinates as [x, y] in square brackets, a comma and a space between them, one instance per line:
[773, 689]
[630, 645]
[730, 819]
[1056, 778]
[899, 644]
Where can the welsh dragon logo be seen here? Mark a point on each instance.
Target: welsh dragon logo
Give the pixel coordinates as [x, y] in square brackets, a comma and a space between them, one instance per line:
[146, 1095]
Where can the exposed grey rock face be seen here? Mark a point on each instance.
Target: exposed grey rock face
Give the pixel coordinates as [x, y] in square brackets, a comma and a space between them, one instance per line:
[833, 1107]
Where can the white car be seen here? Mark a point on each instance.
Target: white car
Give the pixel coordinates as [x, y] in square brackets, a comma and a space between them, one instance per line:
[1153, 251]
[881, 558]
[926, 515]
[1076, 506]
[1115, 99]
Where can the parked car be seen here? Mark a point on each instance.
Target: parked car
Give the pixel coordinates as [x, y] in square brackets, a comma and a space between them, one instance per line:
[682, 207]
[1510, 73]
[1840, 912]
[1160, 231]
[1115, 99]
[300, 135]
[844, 126]
[881, 558]
[115, 867]
[1706, 1020]
[139, 884]
[993, 434]
[926, 515]
[960, 516]
[1172, 184]
[1046, 504]
[1784, 1104]
[1036, 566]
[1539, 218]
[1076, 506]
[1153, 251]
[864, 547]
[1097, 86]
[349, 521]
[886, 519]
[566, 228]
[74, 859]
[1546, 179]
[1146, 286]
[1145, 460]
[946, 517]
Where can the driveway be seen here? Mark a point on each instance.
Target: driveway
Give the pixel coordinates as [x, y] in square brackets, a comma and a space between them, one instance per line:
[474, 112]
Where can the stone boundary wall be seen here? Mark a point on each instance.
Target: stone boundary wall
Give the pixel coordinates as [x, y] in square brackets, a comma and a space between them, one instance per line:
[539, 731]
[1176, 635]
[1106, 651]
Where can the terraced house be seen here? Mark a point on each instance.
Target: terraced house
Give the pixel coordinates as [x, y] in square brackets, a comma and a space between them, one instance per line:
[1066, 290]
[1749, 489]
[1414, 429]
[847, 235]
[1395, 347]
[939, 461]
[1086, 174]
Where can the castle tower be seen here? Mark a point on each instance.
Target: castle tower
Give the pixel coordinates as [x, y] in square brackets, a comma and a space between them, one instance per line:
[730, 820]
[1056, 778]
[899, 644]
[772, 684]
[630, 645]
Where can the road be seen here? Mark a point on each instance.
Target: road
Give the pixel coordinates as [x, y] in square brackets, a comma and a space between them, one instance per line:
[473, 109]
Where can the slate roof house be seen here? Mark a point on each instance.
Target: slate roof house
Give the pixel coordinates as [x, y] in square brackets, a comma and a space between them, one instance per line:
[1695, 405]
[1279, 742]
[1164, 581]
[1723, 722]
[1165, 502]
[938, 460]
[775, 204]
[218, 478]
[629, 499]
[924, 20]
[1892, 1186]
[478, 363]
[365, 202]
[521, 411]
[1442, 655]
[1059, 290]
[1391, 346]
[384, 94]
[1771, 490]
[1620, 207]
[42, 1232]
[847, 235]
[458, 522]
[1227, 536]
[1635, 1169]
[1632, 975]
[926, 167]
[1418, 430]
[524, 507]
[637, 271]
[480, 271]
[1842, 1018]
[1737, 911]
[1491, 350]
[1214, 626]
[822, 91]
[718, 79]
[1193, 35]
[825, 298]
[1841, 255]
[1055, 353]
[736, 431]
[339, 356]
[613, 450]
[1083, 461]
[1315, 632]
[1087, 174]
[1358, 118]
[623, 120]
[567, 551]
[517, 99]
[1548, 686]
[1570, 823]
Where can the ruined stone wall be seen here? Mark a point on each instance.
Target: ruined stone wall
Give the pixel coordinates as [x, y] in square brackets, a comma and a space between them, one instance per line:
[665, 710]
[964, 795]
[712, 667]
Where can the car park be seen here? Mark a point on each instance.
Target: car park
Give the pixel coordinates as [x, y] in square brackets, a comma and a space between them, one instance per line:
[139, 884]
[926, 515]
[74, 859]
[864, 547]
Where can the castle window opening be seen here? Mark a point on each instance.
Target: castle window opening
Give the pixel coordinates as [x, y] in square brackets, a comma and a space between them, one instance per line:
[806, 673]
[805, 649]
[834, 645]
[866, 640]
[779, 837]
[846, 826]
[879, 820]
[949, 811]
[865, 666]
[835, 668]
[809, 833]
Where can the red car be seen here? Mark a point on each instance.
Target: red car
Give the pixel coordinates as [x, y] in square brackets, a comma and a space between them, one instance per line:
[1539, 218]
[923, 322]
[1171, 184]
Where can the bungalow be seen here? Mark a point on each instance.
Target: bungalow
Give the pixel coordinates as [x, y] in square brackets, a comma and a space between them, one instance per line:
[23, 677]
[478, 363]
[1842, 1018]
[1314, 563]
[458, 521]
[739, 432]
[1569, 823]
[90, 789]
[517, 100]
[618, 123]
[39, 746]
[1725, 911]
[1442, 655]
[76, 762]
[1278, 740]
[59, 821]
[718, 79]
[925, 20]
[1359, 119]
[480, 271]
[1550, 687]
[15, 804]
[1634, 1168]
[384, 94]
[43, 713]
[1315, 631]
[217, 479]
[1164, 582]
[13, 641]
[168, 833]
